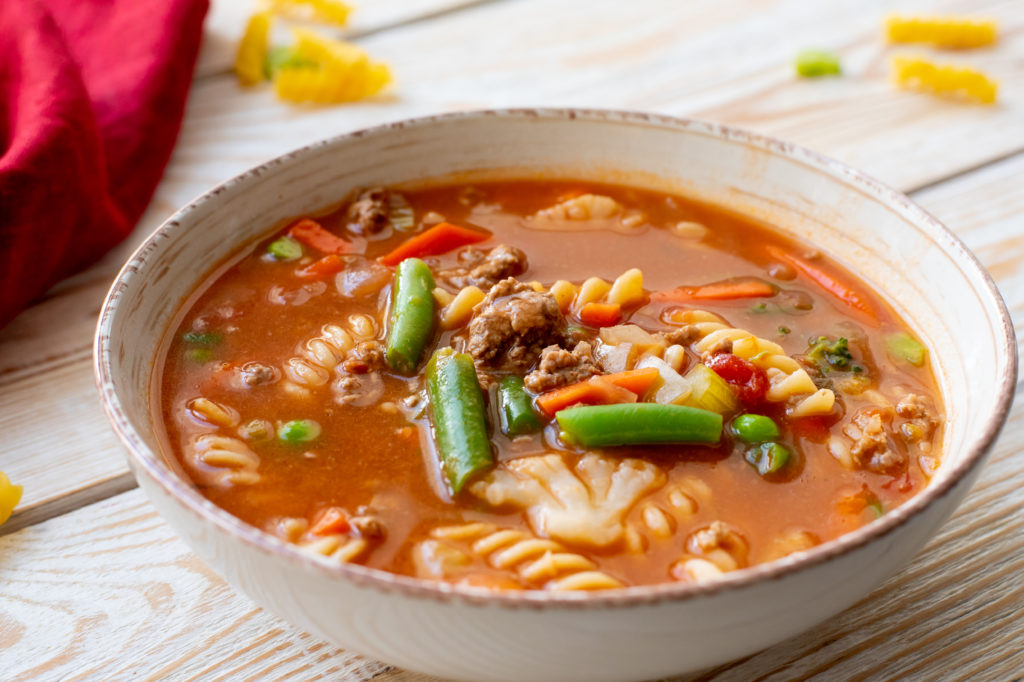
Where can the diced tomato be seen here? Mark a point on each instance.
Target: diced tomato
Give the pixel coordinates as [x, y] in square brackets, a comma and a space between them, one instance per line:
[750, 382]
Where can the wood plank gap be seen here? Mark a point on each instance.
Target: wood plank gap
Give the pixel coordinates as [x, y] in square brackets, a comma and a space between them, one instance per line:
[70, 502]
[981, 165]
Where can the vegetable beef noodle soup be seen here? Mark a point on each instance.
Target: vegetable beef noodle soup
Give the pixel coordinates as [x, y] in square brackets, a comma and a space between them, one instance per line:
[545, 385]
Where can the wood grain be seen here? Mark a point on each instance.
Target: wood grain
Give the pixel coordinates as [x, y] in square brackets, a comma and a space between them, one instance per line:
[725, 61]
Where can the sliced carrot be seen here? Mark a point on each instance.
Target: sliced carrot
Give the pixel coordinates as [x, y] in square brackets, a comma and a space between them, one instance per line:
[313, 234]
[600, 314]
[330, 521]
[327, 266]
[608, 389]
[588, 392]
[441, 238]
[829, 283]
[637, 380]
[719, 291]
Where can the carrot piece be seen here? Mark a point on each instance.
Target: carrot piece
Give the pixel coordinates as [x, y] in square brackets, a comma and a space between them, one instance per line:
[719, 291]
[441, 238]
[831, 284]
[313, 234]
[637, 380]
[622, 387]
[595, 314]
[327, 266]
[330, 521]
[588, 392]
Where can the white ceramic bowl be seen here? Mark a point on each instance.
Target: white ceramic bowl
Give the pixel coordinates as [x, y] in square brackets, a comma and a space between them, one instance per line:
[634, 633]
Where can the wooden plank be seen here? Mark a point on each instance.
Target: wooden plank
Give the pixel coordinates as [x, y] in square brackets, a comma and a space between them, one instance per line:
[225, 23]
[121, 578]
[725, 61]
[123, 598]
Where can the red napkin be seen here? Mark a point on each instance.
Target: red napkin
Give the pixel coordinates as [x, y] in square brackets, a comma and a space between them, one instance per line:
[91, 98]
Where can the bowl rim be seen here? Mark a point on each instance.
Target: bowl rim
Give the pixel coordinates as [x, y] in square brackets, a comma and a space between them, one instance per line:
[143, 460]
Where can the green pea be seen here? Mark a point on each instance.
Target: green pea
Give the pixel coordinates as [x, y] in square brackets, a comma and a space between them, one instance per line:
[285, 248]
[205, 339]
[299, 431]
[767, 458]
[754, 428]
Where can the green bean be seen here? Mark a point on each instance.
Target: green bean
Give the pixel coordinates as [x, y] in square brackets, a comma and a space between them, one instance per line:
[412, 315]
[285, 248]
[515, 407]
[768, 458]
[754, 428]
[459, 417]
[299, 431]
[637, 423]
[199, 355]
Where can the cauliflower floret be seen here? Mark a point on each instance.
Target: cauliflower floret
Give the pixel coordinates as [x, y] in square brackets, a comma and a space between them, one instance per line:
[585, 505]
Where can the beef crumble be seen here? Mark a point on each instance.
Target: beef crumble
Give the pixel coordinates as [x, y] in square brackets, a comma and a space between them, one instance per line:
[512, 326]
[485, 269]
[368, 212]
[560, 367]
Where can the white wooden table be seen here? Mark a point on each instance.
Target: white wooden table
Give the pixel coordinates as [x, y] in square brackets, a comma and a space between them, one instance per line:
[94, 585]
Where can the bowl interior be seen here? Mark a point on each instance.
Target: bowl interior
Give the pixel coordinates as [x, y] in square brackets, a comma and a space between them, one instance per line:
[925, 272]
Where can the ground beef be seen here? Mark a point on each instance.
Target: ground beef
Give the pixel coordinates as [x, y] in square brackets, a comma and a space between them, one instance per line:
[485, 269]
[683, 336]
[258, 374]
[920, 421]
[368, 212]
[367, 356]
[721, 346]
[560, 367]
[871, 449]
[511, 326]
[359, 390]
[369, 526]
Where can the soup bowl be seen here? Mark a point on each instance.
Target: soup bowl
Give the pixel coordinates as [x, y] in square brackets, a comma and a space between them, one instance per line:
[922, 269]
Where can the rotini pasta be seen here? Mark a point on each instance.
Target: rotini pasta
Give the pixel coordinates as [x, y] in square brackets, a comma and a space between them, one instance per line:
[10, 496]
[342, 73]
[626, 291]
[458, 311]
[251, 57]
[339, 547]
[787, 379]
[327, 11]
[223, 460]
[320, 355]
[944, 79]
[537, 562]
[950, 31]
[213, 413]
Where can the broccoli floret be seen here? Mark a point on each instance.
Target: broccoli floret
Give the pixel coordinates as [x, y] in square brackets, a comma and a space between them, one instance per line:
[827, 354]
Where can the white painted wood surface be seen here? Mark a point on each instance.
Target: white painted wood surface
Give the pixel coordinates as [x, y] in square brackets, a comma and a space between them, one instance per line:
[107, 592]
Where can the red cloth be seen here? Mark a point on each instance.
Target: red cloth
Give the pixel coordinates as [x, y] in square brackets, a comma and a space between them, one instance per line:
[92, 94]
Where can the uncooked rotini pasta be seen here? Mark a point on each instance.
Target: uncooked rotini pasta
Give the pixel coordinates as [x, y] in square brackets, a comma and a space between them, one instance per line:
[326, 11]
[949, 31]
[319, 356]
[223, 460]
[10, 496]
[331, 84]
[944, 79]
[536, 561]
[251, 57]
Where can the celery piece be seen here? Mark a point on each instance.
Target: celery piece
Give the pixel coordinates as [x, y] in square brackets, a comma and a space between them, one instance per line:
[710, 391]
[904, 347]
[285, 248]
